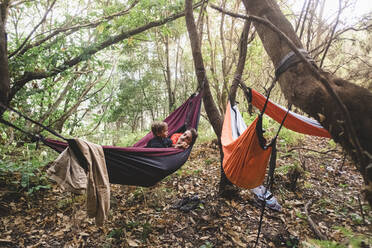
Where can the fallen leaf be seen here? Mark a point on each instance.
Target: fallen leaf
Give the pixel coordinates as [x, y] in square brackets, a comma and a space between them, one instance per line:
[132, 243]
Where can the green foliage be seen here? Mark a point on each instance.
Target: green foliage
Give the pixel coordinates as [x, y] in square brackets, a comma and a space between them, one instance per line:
[144, 228]
[131, 138]
[209, 161]
[351, 240]
[332, 143]
[283, 170]
[21, 168]
[116, 233]
[205, 132]
[207, 244]
[322, 244]
[301, 215]
[140, 73]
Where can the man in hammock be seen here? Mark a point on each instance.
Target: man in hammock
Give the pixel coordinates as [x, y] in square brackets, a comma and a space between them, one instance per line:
[184, 140]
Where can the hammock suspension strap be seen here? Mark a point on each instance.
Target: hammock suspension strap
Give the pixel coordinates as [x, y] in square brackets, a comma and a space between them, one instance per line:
[31, 120]
[290, 60]
[272, 163]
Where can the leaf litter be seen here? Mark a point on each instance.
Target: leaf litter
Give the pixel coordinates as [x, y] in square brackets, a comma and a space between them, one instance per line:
[145, 217]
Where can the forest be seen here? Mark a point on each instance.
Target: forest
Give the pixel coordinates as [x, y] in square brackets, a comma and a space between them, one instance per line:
[102, 71]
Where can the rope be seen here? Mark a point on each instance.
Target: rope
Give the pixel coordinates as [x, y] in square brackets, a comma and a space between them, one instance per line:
[31, 120]
[33, 136]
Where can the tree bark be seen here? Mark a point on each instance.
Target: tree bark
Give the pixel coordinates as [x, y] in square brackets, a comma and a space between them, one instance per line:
[213, 114]
[4, 69]
[243, 43]
[168, 78]
[215, 118]
[304, 90]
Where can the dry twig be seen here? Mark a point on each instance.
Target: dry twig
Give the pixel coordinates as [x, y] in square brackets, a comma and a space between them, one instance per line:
[311, 222]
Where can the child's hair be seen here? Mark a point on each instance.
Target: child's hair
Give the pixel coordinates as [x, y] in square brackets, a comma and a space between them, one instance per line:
[157, 127]
[194, 134]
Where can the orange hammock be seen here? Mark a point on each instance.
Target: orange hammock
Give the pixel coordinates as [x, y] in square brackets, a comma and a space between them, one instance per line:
[245, 158]
[294, 122]
[246, 154]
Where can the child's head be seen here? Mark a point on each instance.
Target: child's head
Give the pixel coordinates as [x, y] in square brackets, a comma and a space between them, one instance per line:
[159, 129]
[189, 136]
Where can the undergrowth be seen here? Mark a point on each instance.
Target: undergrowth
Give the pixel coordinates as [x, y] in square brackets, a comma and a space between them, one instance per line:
[21, 167]
[351, 240]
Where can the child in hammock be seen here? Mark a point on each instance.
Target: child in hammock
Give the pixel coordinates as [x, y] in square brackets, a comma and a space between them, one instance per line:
[160, 131]
[177, 140]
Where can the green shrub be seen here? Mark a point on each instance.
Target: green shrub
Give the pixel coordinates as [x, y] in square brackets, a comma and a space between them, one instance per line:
[21, 167]
[351, 240]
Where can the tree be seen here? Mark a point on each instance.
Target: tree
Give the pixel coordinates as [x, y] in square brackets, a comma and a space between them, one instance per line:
[318, 93]
[36, 42]
[214, 116]
[306, 90]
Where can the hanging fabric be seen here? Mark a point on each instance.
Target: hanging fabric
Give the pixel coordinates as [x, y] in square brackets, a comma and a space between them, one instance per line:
[136, 165]
[245, 152]
[294, 122]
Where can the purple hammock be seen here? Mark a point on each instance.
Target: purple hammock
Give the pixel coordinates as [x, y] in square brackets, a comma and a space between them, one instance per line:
[142, 166]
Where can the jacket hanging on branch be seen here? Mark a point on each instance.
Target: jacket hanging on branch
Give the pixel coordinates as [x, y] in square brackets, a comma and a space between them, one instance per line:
[67, 172]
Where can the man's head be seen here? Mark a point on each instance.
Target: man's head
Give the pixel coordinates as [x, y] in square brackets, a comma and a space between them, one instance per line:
[160, 129]
[189, 136]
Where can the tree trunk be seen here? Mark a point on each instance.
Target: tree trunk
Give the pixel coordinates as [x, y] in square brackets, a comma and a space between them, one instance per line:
[214, 116]
[4, 69]
[168, 78]
[304, 90]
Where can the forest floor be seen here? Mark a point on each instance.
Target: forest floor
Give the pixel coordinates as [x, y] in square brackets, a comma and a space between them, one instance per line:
[327, 191]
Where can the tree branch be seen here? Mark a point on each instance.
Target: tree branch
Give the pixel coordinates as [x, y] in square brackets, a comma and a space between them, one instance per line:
[73, 29]
[4, 67]
[243, 44]
[33, 30]
[333, 31]
[91, 50]
[311, 222]
[214, 116]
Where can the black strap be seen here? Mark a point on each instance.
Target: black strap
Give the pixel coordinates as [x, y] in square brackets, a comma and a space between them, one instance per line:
[33, 137]
[282, 123]
[31, 120]
[248, 95]
[290, 60]
[270, 175]
[268, 96]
